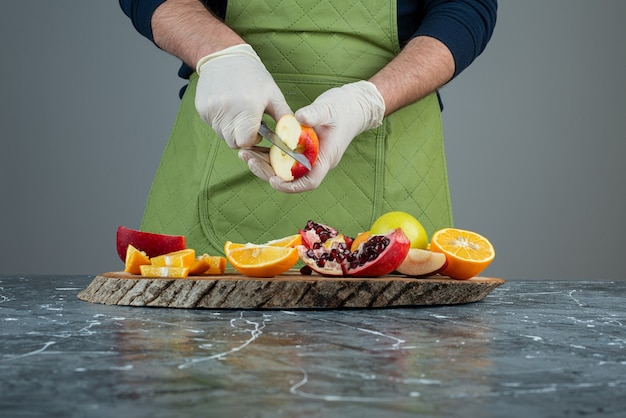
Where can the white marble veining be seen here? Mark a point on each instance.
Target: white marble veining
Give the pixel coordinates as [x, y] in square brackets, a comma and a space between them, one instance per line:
[528, 349]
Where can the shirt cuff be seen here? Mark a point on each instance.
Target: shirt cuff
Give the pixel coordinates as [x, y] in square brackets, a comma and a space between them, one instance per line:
[465, 38]
[140, 13]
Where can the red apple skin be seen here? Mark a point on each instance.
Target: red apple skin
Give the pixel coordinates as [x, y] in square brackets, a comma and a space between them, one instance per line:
[308, 145]
[151, 243]
[422, 263]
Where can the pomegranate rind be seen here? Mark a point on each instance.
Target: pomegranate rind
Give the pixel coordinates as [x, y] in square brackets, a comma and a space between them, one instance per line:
[330, 269]
[311, 233]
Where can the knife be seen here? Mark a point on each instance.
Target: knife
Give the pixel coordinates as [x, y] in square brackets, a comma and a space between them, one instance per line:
[271, 136]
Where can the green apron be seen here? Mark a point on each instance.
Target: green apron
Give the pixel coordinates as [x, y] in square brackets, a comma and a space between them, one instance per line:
[204, 191]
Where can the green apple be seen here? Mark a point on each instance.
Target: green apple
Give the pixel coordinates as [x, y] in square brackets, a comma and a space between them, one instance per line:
[411, 227]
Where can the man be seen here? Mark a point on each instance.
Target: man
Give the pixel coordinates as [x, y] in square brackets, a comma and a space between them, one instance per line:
[364, 74]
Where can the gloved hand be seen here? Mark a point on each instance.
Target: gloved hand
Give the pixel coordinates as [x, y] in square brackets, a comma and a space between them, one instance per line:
[234, 91]
[258, 160]
[338, 116]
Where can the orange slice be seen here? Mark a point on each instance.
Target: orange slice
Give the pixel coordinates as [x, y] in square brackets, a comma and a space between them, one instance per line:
[135, 259]
[230, 246]
[181, 258]
[360, 239]
[260, 260]
[288, 241]
[158, 271]
[467, 253]
[206, 265]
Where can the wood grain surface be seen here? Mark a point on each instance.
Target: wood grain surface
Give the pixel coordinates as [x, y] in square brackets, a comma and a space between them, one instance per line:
[289, 291]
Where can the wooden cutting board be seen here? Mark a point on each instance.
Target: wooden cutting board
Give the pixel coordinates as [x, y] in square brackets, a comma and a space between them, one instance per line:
[288, 291]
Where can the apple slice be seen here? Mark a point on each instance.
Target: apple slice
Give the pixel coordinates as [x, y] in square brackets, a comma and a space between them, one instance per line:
[150, 243]
[422, 263]
[298, 137]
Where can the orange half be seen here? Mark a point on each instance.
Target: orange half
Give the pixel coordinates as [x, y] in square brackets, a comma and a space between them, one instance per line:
[260, 260]
[467, 252]
[288, 241]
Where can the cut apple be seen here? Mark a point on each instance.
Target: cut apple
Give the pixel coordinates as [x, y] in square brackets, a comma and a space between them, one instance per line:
[150, 243]
[300, 138]
[422, 263]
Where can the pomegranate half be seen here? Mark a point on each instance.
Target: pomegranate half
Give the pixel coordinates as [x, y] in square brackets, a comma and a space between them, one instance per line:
[378, 256]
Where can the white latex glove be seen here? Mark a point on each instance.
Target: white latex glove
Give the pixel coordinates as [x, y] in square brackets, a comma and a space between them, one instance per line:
[234, 91]
[258, 160]
[338, 116]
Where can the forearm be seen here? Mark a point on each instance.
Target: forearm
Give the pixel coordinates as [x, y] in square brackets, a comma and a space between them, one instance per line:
[186, 29]
[424, 65]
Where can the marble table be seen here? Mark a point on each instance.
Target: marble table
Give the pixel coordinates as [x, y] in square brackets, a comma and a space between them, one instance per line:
[528, 349]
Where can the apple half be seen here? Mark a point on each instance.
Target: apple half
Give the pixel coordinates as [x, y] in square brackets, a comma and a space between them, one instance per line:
[422, 263]
[150, 243]
[298, 137]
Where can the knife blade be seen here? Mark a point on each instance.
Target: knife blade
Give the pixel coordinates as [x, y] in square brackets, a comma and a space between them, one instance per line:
[271, 136]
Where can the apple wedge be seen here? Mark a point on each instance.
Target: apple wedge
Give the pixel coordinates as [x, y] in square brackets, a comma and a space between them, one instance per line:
[298, 137]
[422, 263]
[151, 244]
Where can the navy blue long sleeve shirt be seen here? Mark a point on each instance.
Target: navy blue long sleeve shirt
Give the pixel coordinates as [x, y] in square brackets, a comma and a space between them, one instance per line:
[464, 26]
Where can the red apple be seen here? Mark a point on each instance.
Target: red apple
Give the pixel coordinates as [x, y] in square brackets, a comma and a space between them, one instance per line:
[422, 263]
[150, 243]
[300, 138]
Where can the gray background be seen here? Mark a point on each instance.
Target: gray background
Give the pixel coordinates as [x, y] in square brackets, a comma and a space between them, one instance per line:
[534, 136]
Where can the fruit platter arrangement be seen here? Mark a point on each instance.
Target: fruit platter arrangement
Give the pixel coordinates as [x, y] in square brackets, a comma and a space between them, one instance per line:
[391, 264]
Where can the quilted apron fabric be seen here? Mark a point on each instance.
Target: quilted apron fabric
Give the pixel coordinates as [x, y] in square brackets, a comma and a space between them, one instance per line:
[204, 191]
